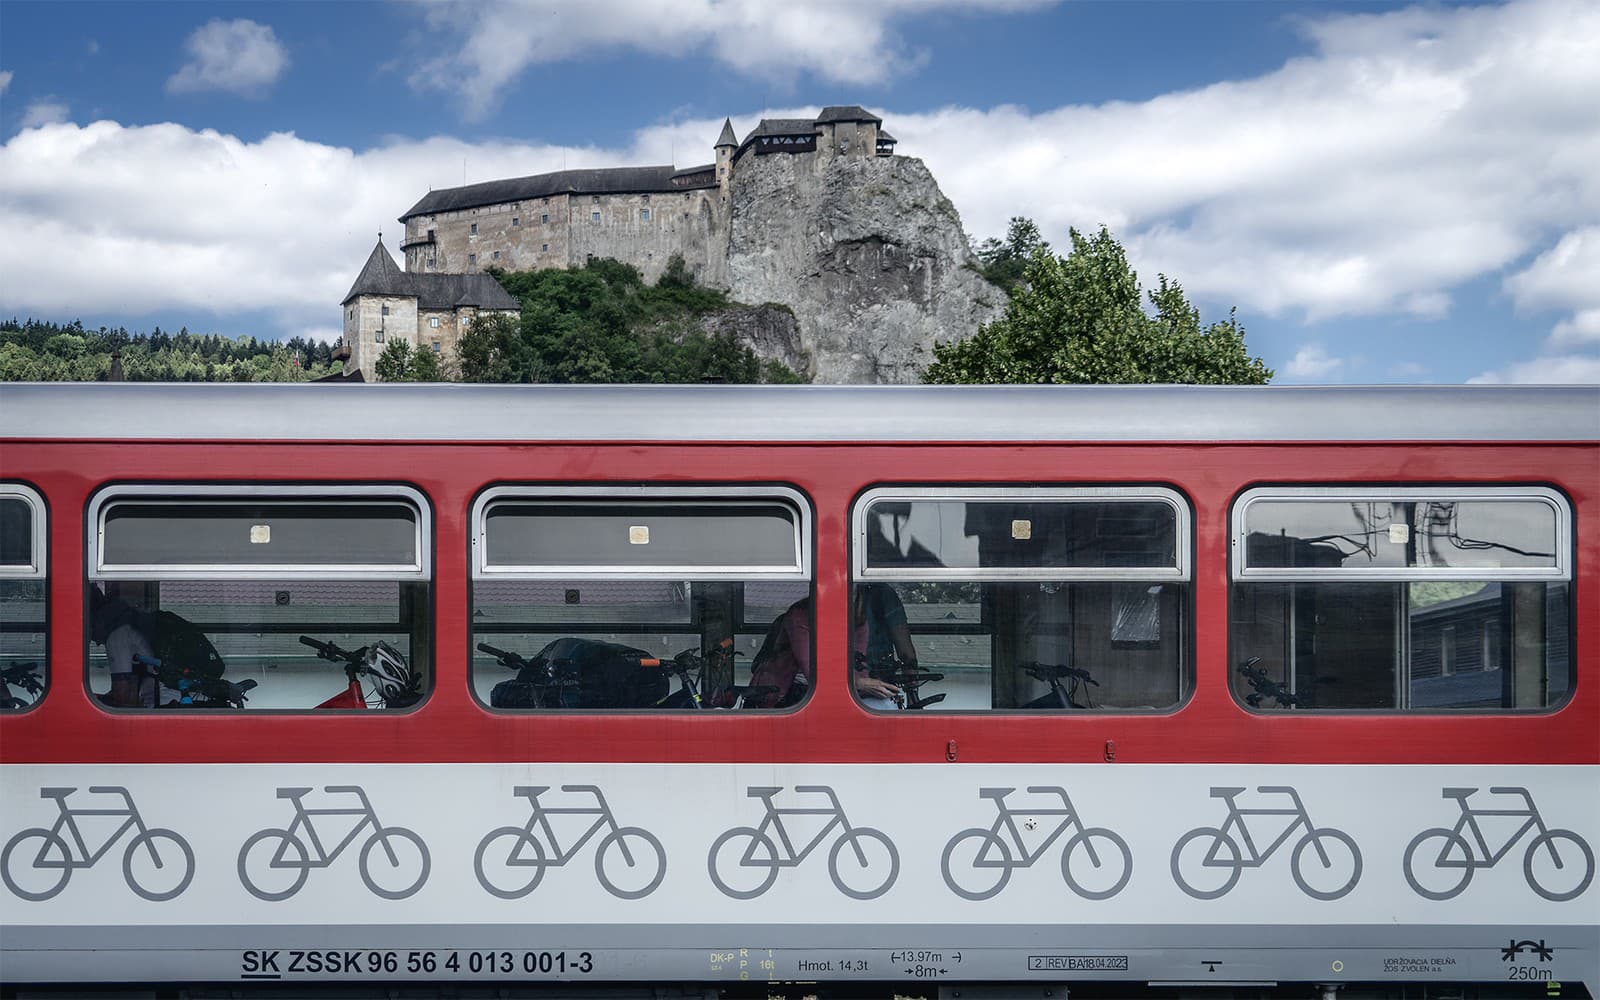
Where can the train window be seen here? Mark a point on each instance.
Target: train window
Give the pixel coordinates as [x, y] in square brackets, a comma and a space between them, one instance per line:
[1013, 598]
[627, 597]
[23, 665]
[1410, 599]
[269, 597]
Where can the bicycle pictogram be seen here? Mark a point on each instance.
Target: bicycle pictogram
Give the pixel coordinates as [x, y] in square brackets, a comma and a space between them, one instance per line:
[274, 863]
[978, 863]
[511, 861]
[863, 862]
[1556, 872]
[1207, 862]
[157, 864]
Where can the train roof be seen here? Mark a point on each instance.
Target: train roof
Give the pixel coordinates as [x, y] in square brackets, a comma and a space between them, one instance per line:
[130, 411]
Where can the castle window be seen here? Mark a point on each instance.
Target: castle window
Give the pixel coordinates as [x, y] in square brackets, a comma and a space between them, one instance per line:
[596, 199]
[472, 258]
[594, 216]
[474, 229]
[644, 215]
[379, 335]
[644, 197]
[436, 347]
[544, 248]
[385, 310]
[433, 321]
[544, 219]
[516, 221]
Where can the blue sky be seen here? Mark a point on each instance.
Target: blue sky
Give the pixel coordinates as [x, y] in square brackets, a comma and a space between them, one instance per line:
[1386, 192]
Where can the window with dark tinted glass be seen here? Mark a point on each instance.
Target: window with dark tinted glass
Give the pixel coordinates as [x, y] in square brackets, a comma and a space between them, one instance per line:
[23, 665]
[257, 571]
[1413, 599]
[1036, 599]
[631, 598]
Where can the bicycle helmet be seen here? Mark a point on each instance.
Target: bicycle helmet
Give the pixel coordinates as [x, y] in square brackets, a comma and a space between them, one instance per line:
[390, 675]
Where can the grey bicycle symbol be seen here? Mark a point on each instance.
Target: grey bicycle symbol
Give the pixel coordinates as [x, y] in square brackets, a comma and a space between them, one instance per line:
[157, 864]
[274, 863]
[744, 861]
[1448, 865]
[1207, 862]
[978, 863]
[511, 861]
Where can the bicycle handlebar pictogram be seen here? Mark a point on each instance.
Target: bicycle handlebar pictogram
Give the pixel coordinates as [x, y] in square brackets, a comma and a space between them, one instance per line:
[865, 871]
[1451, 864]
[274, 863]
[511, 861]
[978, 863]
[154, 872]
[1217, 868]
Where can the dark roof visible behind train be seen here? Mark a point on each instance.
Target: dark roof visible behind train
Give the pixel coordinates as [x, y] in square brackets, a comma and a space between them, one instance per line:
[603, 180]
[671, 413]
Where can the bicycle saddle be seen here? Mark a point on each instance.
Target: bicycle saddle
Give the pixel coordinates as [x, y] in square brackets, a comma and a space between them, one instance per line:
[292, 793]
[1226, 793]
[1457, 793]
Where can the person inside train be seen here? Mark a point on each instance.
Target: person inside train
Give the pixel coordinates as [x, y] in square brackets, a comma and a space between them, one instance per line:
[878, 629]
[114, 624]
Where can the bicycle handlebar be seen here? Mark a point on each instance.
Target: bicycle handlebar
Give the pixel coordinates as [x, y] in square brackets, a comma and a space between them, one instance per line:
[330, 651]
[1045, 671]
[513, 661]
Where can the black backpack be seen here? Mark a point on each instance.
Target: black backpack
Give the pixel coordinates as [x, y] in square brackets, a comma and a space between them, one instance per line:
[585, 673]
[190, 664]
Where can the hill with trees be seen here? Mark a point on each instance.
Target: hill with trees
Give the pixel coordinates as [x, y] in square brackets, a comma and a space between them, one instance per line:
[39, 351]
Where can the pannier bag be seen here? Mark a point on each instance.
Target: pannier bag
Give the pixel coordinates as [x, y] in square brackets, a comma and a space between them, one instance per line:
[584, 674]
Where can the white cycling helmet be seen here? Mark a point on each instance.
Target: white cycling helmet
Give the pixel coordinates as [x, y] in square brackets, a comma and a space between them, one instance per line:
[390, 674]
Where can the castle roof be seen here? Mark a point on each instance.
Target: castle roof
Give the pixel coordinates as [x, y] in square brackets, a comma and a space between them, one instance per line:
[726, 138]
[847, 113]
[604, 180]
[439, 292]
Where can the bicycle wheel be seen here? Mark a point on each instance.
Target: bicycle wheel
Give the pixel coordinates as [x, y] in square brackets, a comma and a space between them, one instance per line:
[630, 862]
[400, 868]
[158, 865]
[40, 871]
[1101, 868]
[1447, 865]
[870, 861]
[1329, 879]
[976, 864]
[1212, 859]
[741, 871]
[509, 868]
[1569, 868]
[273, 865]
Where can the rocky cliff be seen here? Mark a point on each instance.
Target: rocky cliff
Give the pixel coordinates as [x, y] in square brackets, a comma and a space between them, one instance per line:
[869, 255]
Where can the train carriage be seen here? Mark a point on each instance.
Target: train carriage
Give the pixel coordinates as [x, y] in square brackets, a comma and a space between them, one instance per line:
[1133, 690]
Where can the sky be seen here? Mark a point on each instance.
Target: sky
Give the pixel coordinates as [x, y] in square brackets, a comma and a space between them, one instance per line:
[1385, 192]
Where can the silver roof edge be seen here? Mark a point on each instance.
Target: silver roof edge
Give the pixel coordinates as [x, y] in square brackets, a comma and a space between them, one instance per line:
[129, 411]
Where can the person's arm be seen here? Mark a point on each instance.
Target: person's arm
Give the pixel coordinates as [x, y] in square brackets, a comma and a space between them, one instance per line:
[869, 686]
[125, 680]
[124, 691]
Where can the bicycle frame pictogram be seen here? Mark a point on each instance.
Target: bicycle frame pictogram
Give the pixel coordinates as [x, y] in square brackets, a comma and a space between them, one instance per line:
[1344, 856]
[991, 855]
[289, 841]
[870, 850]
[1458, 859]
[55, 854]
[525, 859]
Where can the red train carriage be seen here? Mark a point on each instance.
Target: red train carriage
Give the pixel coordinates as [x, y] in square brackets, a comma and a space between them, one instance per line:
[718, 688]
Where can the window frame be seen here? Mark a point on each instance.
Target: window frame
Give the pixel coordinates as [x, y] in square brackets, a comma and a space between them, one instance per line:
[1241, 572]
[1182, 571]
[38, 567]
[614, 494]
[168, 494]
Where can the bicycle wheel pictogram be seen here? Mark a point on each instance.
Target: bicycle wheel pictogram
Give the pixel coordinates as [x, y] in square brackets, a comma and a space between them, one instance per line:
[394, 862]
[863, 863]
[630, 863]
[743, 862]
[36, 871]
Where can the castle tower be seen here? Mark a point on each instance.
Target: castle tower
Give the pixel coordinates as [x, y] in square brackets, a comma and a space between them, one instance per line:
[726, 146]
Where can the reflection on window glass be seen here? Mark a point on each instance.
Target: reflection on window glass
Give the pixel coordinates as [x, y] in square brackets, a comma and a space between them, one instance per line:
[22, 659]
[1453, 637]
[564, 617]
[1418, 534]
[1110, 632]
[23, 667]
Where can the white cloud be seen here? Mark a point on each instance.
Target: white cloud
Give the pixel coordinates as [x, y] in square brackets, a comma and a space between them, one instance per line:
[45, 111]
[5, 80]
[1312, 361]
[1567, 276]
[238, 56]
[1571, 369]
[839, 41]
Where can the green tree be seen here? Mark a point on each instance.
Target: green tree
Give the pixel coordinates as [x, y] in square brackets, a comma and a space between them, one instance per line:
[1005, 261]
[1080, 319]
[394, 364]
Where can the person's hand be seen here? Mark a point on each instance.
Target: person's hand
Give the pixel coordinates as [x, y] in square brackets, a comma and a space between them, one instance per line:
[870, 687]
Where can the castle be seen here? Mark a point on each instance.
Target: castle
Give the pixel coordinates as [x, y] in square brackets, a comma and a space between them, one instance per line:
[640, 215]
